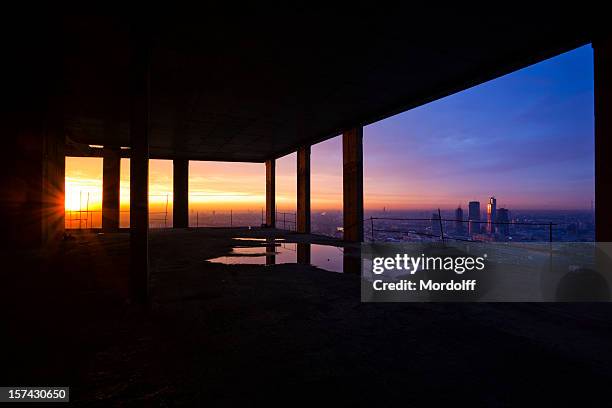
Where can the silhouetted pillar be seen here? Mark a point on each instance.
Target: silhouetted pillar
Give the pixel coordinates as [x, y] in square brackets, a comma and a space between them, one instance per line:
[54, 178]
[352, 153]
[303, 190]
[32, 178]
[32, 153]
[351, 259]
[271, 193]
[603, 139]
[303, 253]
[139, 166]
[180, 206]
[111, 177]
[270, 251]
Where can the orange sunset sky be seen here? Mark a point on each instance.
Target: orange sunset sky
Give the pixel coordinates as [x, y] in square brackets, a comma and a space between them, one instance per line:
[212, 185]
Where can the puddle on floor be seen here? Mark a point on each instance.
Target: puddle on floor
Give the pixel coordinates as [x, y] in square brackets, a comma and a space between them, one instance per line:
[258, 239]
[328, 257]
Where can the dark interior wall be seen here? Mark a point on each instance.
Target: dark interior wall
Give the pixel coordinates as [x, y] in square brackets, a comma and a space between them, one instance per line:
[32, 128]
[603, 138]
[32, 176]
[21, 179]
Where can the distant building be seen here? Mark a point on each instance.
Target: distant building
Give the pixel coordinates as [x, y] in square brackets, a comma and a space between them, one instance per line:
[459, 220]
[503, 217]
[491, 214]
[474, 217]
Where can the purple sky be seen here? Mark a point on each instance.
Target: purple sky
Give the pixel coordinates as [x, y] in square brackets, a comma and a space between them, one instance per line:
[526, 138]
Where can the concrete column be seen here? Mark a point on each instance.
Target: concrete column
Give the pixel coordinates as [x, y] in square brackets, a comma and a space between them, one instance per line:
[111, 177]
[352, 153]
[180, 206]
[303, 253]
[603, 139]
[32, 154]
[351, 259]
[303, 190]
[32, 178]
[54, 179]
[25, 195]
[270, 251]
[139, 165]
[271, 193]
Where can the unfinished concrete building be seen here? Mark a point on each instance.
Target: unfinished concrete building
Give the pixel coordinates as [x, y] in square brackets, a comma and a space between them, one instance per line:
[248, 89]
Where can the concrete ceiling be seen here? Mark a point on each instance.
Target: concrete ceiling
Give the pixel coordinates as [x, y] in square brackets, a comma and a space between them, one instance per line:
[257, 87]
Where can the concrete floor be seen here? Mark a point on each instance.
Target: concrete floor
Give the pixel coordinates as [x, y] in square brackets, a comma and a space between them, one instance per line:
[245, 334]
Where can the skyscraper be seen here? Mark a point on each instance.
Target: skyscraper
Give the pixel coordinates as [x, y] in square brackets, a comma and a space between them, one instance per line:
[459, 220]
[474, 215]
[491, 215]
[503, 217]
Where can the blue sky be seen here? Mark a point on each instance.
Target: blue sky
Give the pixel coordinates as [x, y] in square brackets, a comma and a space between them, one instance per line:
[526, 138]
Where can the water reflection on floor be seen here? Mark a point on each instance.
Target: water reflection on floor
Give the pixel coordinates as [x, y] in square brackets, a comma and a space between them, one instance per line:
[258, 239]
[276, 251]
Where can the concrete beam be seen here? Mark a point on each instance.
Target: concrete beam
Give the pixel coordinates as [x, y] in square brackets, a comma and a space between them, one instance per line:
[271, 193]
[603, 139]
[180, 206]
[352, 154]
[111, 178]
[139, 165]
[303, 190]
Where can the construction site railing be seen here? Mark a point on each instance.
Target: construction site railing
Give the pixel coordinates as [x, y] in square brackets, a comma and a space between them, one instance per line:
[84, 217]
[226, 218]
[439, 221]
[288, 220]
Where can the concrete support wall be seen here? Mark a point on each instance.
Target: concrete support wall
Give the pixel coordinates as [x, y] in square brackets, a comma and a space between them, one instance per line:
[139, 166]
[53, 179]
[270, 251]
[352, 153]
[303, 190]
[111, 178]
[21, 198]
[303, 253]
[32, 177]
[271, 193]
[603, 139]
[180, 206]
[33, 142]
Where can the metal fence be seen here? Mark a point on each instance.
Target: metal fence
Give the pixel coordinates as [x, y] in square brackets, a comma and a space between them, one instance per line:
[85, 218]
[244, 218]
[159, 219]
[225, 218]
[213, 218]
[288, 220]
[438, 228]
